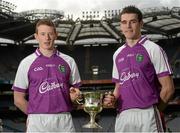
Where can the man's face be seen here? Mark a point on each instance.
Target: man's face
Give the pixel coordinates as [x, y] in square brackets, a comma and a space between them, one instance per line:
[130, 26]
[46, 37]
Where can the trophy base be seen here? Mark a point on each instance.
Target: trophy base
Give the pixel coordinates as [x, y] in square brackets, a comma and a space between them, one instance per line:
[92, 125]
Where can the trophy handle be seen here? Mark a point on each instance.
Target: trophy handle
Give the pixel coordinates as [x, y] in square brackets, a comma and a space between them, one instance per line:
[80, 100]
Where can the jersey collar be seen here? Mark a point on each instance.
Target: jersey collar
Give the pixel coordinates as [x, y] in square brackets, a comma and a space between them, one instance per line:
[140, 41]
[38, 52]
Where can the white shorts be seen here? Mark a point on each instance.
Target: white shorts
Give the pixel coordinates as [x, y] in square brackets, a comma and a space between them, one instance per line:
[139, 120]
[50, 123]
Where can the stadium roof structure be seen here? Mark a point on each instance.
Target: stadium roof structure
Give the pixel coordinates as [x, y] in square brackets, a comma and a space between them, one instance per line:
[159, 23]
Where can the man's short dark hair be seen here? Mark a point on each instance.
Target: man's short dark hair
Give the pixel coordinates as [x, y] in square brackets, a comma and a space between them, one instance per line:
[132, 9]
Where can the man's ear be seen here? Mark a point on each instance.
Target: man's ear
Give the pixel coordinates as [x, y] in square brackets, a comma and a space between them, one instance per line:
[56, 34]
[142, 24]
[35, 36]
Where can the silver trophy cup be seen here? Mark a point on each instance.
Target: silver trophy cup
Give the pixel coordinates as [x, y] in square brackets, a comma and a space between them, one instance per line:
[92, 105]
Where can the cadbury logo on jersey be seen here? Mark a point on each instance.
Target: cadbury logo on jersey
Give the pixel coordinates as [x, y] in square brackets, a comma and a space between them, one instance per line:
[38, 69]
[139, 58]
[46, 86]
[125, 76]
[62, 68]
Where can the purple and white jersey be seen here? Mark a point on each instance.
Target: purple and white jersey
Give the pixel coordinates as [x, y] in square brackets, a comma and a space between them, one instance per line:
[47, 81]
[137, 69]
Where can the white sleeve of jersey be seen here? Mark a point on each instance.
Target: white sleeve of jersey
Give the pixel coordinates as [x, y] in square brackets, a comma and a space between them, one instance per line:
[158, 57]
[21, 80]
[75, 77]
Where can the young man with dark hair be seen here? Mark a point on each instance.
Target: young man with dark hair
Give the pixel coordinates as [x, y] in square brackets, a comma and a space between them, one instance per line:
[142, 76]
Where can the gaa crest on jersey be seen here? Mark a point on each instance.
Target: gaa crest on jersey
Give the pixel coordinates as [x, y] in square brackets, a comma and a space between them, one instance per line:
[62, 68]
[139, 58]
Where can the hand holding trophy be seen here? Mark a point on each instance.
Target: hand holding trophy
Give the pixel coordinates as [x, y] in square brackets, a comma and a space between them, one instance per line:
[92, 105]
[109, 99]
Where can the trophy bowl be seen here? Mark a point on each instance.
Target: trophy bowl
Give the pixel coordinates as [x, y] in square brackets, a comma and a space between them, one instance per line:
[92, 105]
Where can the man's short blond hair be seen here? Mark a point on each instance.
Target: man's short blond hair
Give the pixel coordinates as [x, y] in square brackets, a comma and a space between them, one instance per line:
[47, 22]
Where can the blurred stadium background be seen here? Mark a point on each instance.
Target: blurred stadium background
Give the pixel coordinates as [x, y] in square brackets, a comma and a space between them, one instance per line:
[91, 40]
